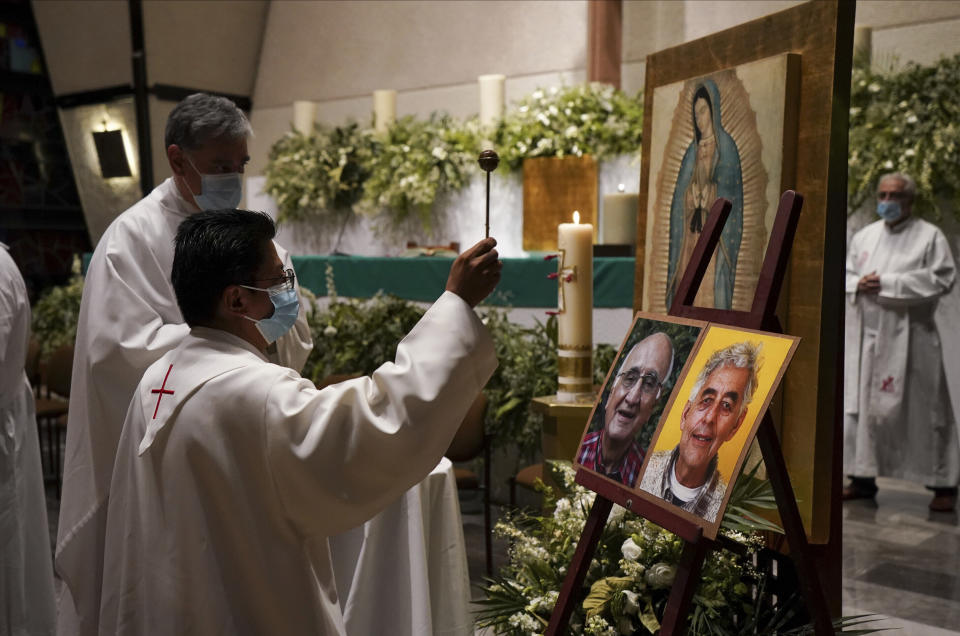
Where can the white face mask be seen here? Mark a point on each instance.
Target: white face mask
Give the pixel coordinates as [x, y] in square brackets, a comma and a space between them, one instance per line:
[218, 191]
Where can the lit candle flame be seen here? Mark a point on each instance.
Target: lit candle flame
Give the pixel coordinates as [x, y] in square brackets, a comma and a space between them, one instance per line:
[576, 217]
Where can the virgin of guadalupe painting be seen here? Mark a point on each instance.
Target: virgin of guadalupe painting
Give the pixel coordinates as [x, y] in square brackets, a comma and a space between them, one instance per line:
[718, 135]
[710, 168]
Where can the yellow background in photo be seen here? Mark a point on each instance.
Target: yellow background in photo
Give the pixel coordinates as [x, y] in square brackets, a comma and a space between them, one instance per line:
[774, 351]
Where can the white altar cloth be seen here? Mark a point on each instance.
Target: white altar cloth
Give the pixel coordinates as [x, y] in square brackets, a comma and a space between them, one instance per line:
[404, 572]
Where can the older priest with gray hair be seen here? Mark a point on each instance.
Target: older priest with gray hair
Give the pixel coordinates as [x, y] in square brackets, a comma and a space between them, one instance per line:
[898, 420]
[129, 318]
[232, 471]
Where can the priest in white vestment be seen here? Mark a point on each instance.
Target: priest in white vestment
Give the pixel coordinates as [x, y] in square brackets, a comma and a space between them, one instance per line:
[232, 471]
[898, 419]
[26, 571]
[128, 319]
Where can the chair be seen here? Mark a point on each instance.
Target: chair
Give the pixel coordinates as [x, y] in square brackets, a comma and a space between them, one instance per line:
[52, 406]
[470, 441]
[526, 477]
[32, 365]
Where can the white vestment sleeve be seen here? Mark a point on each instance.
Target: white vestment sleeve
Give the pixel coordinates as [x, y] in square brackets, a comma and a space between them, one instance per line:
[853, 272]
[340, 455]
[139, 334]
[921, 285]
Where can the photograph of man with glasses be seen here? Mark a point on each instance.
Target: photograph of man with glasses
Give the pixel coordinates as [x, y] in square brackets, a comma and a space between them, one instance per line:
[615, 442]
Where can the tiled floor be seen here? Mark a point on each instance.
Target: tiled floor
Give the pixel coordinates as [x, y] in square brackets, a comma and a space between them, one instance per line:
[903, 561]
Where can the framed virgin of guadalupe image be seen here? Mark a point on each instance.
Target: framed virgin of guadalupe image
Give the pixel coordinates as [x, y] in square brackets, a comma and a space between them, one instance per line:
[704, 435]
[652, 357]
[728, 134]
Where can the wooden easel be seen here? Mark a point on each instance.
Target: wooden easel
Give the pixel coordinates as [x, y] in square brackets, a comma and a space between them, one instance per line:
[761, 316]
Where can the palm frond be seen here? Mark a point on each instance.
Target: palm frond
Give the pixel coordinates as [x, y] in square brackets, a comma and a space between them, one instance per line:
[750, 493]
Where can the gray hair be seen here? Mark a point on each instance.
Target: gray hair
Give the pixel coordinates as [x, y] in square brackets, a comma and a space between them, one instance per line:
[201, 118]
[673, 354]
[742, 355]
[909, 185]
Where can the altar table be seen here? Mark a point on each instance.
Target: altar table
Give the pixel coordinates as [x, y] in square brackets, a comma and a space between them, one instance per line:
[523, 281]
[404, 572]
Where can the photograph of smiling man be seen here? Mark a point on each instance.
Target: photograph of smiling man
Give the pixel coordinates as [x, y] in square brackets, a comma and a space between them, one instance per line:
[705, 434]
[650, 360]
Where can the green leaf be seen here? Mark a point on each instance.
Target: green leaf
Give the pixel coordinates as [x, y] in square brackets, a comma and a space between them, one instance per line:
[648, 618]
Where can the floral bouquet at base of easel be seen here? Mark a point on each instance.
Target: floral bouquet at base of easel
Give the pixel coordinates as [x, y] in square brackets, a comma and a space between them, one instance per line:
[633, 569]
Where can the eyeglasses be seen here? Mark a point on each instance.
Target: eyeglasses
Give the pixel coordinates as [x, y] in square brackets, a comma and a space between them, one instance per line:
[650, 384]
[277, 284]
[896, 195]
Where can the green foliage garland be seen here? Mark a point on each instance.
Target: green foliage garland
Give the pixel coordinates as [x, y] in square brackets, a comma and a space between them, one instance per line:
[320, 176]
[907, 121]
[357, 336]
[334, 172]
[528, 368]
[587, 119]
[416, 161]
[55, 315]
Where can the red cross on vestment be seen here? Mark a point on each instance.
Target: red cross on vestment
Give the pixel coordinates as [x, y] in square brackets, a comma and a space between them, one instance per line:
[161, 391]
[887, 385]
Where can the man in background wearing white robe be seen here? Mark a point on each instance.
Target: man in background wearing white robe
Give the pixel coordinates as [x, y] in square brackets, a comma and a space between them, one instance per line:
[231, 471]
[26, 573]
[128, 319]
[898, 420]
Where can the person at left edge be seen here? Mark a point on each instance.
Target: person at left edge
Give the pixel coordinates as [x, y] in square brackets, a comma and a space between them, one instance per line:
[231, 471]
[128, 319]
[26, 574]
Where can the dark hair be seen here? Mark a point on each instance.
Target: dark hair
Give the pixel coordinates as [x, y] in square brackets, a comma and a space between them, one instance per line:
[200, 118]
[213, 250]
[701, 92]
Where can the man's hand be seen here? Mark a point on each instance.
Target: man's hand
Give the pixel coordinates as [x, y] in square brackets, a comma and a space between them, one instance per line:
[476, 272]
[869, 284]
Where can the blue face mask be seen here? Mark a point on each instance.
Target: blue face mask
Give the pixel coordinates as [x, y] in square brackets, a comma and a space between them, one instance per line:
[889, 211]
[218, 191]
[286, 308]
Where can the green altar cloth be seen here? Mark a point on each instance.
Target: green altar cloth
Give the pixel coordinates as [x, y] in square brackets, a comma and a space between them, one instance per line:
[524, 281]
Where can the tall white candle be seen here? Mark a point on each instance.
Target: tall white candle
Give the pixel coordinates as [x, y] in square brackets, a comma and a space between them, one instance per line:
[618, 220]
[384, 109]
[491, 99]
[575, 317]
[304, 114]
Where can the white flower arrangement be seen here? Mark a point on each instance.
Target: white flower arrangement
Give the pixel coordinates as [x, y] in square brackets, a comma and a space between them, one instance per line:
[906, 121]
[628, 580]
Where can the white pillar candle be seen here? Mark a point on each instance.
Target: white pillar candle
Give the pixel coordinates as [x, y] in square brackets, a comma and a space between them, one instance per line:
[384, 109]
[304, 114]
[618, 220]
[491, 99]
[575, 311]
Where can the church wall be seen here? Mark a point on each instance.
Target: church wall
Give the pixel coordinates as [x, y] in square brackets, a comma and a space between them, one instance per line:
[86, 44]
[918, 31]
[337, 54]
[203, 44]
[432, 52]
